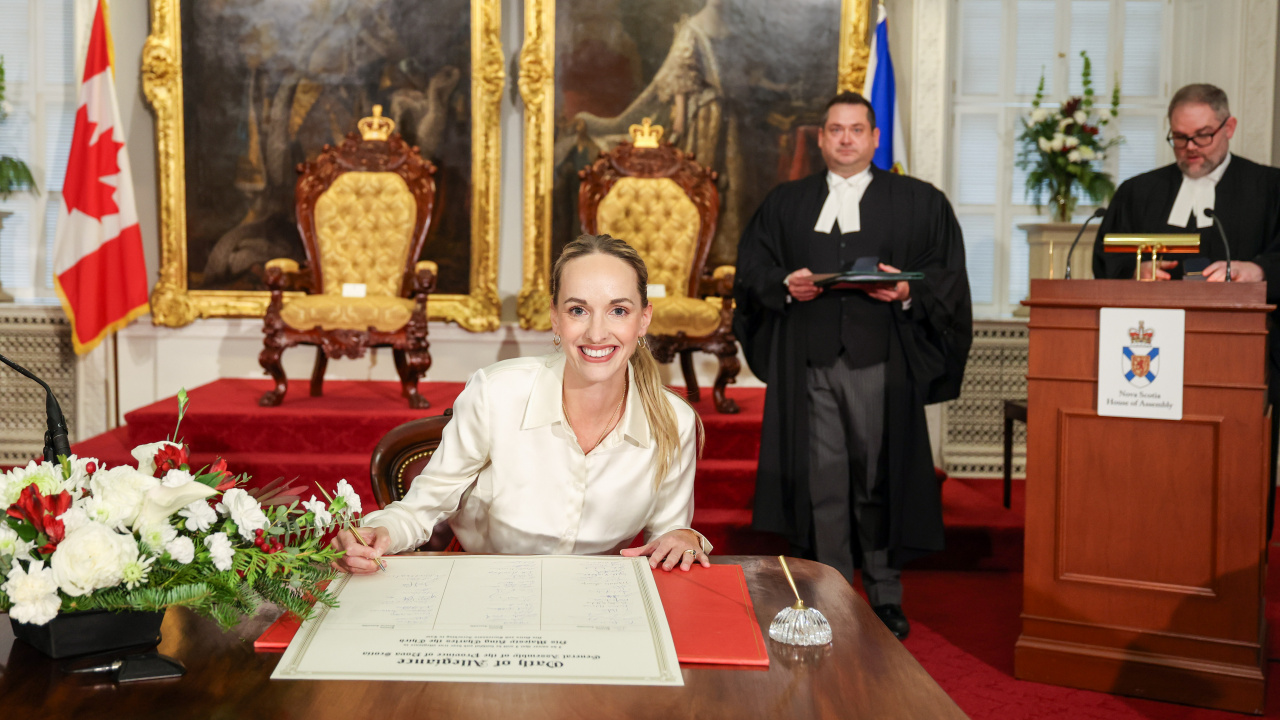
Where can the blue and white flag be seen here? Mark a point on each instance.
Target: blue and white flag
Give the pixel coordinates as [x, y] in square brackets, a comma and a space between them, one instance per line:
[881, 90]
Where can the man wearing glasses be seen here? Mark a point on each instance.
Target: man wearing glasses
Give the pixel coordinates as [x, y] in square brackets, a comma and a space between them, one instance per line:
[1244, 195]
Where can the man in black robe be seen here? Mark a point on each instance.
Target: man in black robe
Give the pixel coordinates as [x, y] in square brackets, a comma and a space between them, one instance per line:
[1244, 195]
[846, 470]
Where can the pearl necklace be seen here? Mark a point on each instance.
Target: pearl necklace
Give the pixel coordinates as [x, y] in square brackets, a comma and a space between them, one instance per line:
[614, 417]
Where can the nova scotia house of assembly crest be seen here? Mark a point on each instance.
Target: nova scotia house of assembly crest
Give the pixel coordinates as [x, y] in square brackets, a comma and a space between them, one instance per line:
[1141, 359]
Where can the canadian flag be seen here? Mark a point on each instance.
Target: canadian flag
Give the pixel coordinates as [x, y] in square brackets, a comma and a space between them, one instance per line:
[98, 266]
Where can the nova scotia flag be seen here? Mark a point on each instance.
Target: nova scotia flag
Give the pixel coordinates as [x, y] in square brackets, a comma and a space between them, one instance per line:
[881, 90]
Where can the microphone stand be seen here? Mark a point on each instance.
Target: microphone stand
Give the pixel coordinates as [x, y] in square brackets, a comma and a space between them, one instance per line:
[55, 438]
[1226, 246]
[1070, 253]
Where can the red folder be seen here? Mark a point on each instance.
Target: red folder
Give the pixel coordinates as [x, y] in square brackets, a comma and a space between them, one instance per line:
[711, 616]
[709, 610]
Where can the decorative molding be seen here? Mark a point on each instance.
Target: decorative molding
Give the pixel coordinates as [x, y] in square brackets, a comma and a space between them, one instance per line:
[174, 304]
[930, 94]
[1256, 98]
[537, 89]
[855, 50]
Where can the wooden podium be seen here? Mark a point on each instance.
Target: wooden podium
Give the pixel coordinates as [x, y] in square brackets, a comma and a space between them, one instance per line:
[1146, 539]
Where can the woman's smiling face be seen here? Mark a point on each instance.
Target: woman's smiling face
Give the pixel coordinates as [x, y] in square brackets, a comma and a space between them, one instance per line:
[598, 316]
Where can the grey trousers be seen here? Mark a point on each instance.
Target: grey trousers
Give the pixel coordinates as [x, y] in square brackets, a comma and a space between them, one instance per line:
[846, 424]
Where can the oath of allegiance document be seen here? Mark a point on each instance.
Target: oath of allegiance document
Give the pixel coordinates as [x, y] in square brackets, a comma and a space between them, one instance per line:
[491, 618]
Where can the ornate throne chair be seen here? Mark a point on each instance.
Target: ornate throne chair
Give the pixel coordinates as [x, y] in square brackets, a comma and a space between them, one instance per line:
[665, 205]
[364, 208]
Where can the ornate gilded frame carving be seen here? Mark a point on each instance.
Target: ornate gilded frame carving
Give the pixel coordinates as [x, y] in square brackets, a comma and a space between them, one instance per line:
[537, 89]
[173, 304]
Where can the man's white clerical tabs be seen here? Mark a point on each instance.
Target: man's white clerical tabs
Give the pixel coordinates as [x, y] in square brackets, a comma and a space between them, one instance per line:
[1140, 361]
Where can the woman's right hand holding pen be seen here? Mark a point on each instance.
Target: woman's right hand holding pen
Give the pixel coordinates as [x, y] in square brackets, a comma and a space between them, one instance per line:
[359, 558]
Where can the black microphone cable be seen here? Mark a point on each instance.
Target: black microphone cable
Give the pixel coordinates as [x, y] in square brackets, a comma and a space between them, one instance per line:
[55, 438]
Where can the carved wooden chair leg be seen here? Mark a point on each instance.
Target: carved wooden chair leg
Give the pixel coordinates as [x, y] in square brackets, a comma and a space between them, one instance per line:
[317, 372]
[729, 368]
[412, 365]
[269, 359]
[692, 391]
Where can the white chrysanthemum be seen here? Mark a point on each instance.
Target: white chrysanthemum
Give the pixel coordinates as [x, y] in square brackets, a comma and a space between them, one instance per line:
[91, 558]
[199, 516]
[220, 549]
[79, 476]
[117, 495]
[349, 496]
[181, 549]
[13, 546]
[244, 511]
[322, 517]
[155, 536]
[174, 478]
[34, 593]
[135, 572]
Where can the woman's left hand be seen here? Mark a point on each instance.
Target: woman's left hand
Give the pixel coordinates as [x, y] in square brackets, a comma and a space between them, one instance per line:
[678, 547]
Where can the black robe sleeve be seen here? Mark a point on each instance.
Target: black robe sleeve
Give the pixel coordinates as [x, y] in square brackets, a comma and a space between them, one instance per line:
[759, 294]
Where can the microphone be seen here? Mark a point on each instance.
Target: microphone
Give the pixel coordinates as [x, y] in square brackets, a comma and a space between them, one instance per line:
[55, 438]
[1096, 214]
[1209, 213]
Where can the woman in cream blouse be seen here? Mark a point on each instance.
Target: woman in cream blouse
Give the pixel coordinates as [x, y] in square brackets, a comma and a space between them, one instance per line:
[571, 453]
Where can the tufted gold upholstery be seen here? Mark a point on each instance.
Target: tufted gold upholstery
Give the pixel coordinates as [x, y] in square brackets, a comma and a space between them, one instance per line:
[327, 312]
[657, 218]
[364, 226]
[691, 316]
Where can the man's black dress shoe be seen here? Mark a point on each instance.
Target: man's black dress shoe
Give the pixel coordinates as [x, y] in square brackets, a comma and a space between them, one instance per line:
[892, 617]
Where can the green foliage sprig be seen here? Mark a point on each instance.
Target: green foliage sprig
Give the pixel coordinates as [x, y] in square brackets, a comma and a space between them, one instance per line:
[14, 174]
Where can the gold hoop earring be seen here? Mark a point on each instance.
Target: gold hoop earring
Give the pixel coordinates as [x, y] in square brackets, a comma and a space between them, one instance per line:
[555, 340]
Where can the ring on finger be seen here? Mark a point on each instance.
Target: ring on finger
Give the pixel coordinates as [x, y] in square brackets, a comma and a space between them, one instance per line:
[692, 552]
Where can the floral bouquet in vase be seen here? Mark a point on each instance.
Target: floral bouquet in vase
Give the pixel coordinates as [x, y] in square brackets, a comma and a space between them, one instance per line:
[1064, 148]
[78, 536]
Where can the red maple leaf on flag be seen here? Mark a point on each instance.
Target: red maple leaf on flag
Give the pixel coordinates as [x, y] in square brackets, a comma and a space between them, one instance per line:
[87, 164]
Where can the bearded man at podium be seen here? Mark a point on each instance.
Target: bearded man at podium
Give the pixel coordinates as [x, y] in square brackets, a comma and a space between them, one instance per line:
[1243, 195]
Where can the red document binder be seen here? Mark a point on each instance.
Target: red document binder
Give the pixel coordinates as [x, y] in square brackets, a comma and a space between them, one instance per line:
[711, 616]
[709, 610]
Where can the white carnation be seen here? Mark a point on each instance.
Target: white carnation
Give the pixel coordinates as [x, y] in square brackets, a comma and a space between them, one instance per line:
[199, 516]
[91, 558]
[146, 455]
[181, 549]
[349, 496]
[34, 593]
[118, 494]
[244, 511]
[322, 517]
[175, 478]
[13, 546]
[221, 550]
[75, 517]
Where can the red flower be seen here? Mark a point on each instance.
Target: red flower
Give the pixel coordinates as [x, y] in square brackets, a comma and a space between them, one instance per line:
[1091, 129]
[43, 512]
[170, 457]
[1070, 107]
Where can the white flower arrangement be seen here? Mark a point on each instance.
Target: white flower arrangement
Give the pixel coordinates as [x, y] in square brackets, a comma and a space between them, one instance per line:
[78, 536]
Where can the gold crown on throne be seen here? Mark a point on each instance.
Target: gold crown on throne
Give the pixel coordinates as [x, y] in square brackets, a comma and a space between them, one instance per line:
[376, 127]
[646, 134]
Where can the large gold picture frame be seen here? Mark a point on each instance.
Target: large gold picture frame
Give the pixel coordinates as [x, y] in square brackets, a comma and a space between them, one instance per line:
[174, 304]
[537, 85]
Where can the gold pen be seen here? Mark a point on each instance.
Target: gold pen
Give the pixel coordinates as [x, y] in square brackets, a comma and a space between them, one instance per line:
[356, 531]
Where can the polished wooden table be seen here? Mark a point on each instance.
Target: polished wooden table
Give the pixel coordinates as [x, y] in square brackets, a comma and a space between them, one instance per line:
[864, 673]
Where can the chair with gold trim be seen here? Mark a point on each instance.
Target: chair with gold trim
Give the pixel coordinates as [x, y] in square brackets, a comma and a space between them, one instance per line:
[364, 209]
[399, 457]
[658, 199]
